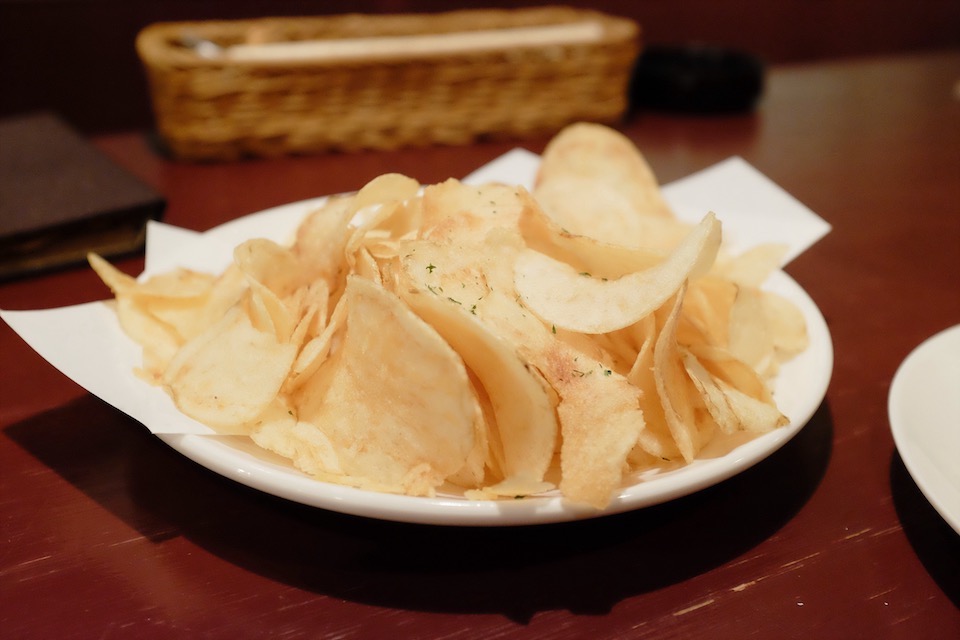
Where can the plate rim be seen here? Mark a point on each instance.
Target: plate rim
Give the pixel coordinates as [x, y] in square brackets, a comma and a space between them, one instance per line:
[904, 434]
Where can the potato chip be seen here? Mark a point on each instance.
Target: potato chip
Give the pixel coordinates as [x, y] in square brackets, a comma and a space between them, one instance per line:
[523, 404]
[190, 317]
[608, 160]
[674, 387]
[229, 374]
[655, 441]
[275, 267]
[706, 314]
[316, 350]
[601, 421]
[386, 188]
[454, 211]
[582, 206]
[712, 394]
[165, 311]
[788, 328]
[321, 239]
[277, 429]
[394, 400]
[584, 253]
[480, 462]
[752, 414]
[580, 302]
[726, 367]
[750, 339]
[752, 267]
[177, 284]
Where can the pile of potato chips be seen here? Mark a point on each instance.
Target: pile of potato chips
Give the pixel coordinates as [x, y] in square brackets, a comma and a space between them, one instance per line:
[500, 341]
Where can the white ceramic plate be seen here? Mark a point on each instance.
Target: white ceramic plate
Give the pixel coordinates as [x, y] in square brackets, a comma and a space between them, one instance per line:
[799, 390]
[924, 408]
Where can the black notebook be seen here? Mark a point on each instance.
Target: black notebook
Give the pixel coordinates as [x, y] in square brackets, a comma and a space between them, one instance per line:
[60, 198]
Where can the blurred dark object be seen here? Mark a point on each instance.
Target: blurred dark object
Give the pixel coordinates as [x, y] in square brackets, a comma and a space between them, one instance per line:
[61, 198]
[92, 77]
[696, 79]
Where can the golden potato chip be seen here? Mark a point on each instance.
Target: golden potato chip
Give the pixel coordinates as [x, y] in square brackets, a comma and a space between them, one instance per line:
[656, 440]
[480, 463]
[178, 284]
[582, 206]
[453, 211]
[788, 328]
[159, 340]
[706, 313]
[598, 409]
[712, 394]
[316, 349]
[277, 429]
[389, 187]
[752, 267]
[601, 421]
[229, 374]
[607, 159]
[580, 302]
[750, 339]
[674, 387]
[321, 239]
[190, 317]
[522, 402]
[583, 252]
[165, 311]
[394, 400]
[275, 267]
[752, 414]
[726, 367]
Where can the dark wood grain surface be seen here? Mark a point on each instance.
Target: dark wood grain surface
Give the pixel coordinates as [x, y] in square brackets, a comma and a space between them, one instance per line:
[107, 533]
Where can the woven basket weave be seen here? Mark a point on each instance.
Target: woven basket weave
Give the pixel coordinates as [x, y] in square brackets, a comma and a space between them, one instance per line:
[222, 109]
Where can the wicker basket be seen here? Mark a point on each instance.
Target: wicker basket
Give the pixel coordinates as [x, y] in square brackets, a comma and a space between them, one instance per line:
[220, 108]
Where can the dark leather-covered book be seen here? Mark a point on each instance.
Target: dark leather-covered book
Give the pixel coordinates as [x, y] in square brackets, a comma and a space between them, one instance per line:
[60, 198]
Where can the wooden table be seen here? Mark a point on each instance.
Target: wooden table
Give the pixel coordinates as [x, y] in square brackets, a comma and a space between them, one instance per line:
[108, 533]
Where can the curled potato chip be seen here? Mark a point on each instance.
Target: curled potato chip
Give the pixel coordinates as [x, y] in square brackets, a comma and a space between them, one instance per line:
[584, 207]
[522, 402]
[726, 367]
[656, 440]
[752, 414]
[705, 317]
[315, 350]
[580, 302]
[674, 387]
[190, 317]
[388, 187]
[583, 252]
[712, 394]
